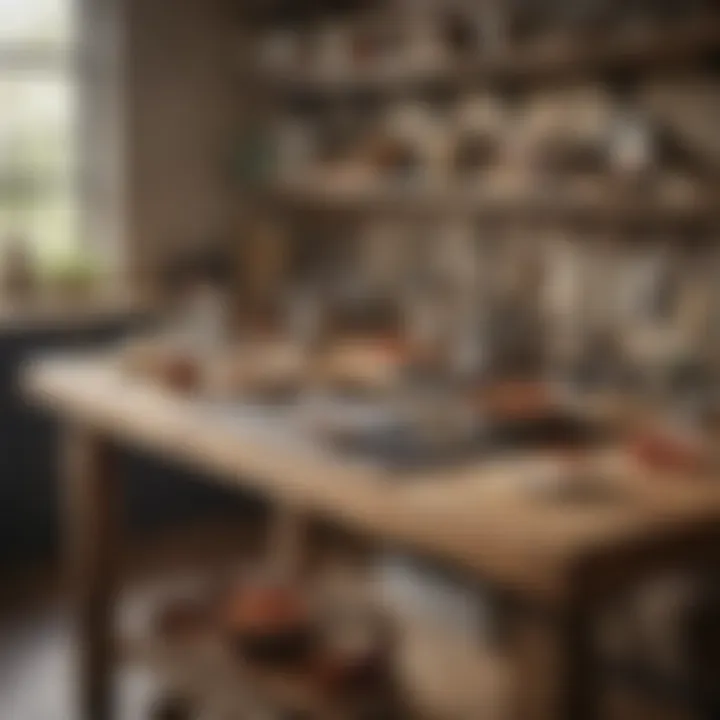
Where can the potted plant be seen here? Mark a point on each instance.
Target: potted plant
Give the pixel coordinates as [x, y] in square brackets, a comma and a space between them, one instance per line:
[72, 276]
[20, 189]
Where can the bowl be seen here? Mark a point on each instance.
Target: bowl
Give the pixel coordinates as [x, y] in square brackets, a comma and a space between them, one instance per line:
[269, 623]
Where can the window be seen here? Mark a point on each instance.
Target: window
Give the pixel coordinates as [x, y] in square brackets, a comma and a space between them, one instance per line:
[38, 158]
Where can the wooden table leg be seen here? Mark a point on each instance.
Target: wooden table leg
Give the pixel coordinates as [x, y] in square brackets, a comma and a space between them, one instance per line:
[556, 671]
[288, 551]
[92, 525]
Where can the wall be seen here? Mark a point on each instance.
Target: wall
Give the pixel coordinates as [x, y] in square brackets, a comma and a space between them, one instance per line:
[181, 94]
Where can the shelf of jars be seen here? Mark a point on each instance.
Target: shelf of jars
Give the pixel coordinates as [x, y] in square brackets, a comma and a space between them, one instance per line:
[594, 153]
[338, 61]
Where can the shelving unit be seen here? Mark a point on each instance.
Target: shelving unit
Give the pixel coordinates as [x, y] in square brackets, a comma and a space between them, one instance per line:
[624, 55]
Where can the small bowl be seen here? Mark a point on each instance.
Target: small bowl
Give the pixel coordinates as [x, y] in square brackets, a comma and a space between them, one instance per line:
[269, 623]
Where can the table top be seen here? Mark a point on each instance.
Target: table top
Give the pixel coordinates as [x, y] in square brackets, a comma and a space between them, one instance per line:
[486, 517]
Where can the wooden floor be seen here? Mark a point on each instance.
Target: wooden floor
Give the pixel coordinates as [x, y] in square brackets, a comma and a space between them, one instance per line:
[36, 633]
[36, 671]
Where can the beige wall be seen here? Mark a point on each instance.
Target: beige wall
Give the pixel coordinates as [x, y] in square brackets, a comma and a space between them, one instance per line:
[181, 95]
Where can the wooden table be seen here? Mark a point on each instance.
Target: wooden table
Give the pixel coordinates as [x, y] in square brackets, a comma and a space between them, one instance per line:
[558, 561]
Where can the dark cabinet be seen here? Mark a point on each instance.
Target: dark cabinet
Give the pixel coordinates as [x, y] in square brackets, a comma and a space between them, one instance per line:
[156, 492]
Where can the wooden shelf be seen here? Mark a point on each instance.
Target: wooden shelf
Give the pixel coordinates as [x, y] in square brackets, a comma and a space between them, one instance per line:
[602, 210]
[643, 51]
